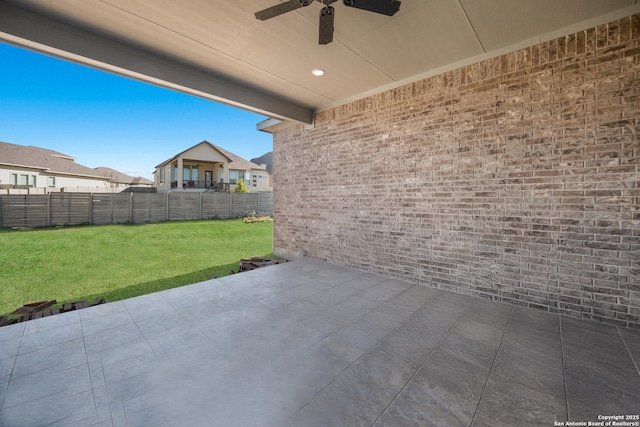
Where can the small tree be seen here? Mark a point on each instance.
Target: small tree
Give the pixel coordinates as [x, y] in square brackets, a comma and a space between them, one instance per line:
[241, 187]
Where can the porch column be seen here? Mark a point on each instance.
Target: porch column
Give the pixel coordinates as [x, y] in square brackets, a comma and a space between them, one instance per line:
[180, 167]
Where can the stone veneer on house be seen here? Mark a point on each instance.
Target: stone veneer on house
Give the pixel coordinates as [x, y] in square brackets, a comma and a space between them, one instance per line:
[515, 179]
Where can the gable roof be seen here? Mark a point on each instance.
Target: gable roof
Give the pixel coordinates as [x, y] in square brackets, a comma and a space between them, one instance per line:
[265, 159]
[122, 178]
[235, 162]
[50, 161]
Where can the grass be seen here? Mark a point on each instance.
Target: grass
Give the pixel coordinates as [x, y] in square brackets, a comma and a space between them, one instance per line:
[122, 261]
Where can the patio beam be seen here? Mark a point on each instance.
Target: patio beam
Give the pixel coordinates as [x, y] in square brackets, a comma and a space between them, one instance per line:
[30, 30]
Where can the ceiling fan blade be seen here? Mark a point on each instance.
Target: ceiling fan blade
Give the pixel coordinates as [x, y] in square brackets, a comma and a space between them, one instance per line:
[279, 9]
[326, 25]
[384, 7]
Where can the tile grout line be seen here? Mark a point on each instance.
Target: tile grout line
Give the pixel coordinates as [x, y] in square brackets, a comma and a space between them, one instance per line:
[423, 361]
[564, 370]
[86, 355]
[628, 350]
[365, 354]
[484, 389]
[15, 359]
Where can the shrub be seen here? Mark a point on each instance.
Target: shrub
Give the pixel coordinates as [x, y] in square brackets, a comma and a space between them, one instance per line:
[241, 187]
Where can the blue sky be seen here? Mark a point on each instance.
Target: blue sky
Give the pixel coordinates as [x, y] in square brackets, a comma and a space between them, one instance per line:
[106, 120]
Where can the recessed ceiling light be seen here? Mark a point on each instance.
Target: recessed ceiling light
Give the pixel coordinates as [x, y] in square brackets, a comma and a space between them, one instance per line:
[317, 72]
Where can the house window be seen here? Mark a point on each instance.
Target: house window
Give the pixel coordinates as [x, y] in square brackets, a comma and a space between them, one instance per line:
[185, 173]
[175, 174]
[233, 176]
[52, 181]
[161, 175]
[33, 181]
[195, 175]
[24, 179]
[221, 175]
[241, 176]
[14, 179]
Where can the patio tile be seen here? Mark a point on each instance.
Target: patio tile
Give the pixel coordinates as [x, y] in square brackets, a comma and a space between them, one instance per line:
[430, 318]
[489, 314]
[408, 347]
[124, 351]
[477, 331]
[593, 340]
[6, 368]
[179, 339]
[444, 392]
[595, 385]
[10, 332]
[325, 322]
[352, 308]
[145, 306]
[43, 324]
[385, 290]
[468, 350]
[631, 339]
[101, 310]
[447, 302]
[94, 325]
[61, 356]
[61, 409]
[59, 383]
[124, 369]
[112, 338]
[42, 337]
[9, 348]
[415, 297]
[511, 403]
[155, 325]
[540, 369]
[356, 337]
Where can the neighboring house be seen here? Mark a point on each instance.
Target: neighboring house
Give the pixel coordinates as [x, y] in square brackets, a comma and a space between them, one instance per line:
[120, 181]
[266, 160]
[206, 166]
[31, 169]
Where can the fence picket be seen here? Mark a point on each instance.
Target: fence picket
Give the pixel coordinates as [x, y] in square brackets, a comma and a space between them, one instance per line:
[56, 209]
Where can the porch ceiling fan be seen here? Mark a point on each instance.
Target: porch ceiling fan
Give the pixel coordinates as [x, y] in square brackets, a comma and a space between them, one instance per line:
[384, 7]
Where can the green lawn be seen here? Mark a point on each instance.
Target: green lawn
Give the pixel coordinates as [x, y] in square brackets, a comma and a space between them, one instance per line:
[121, 261]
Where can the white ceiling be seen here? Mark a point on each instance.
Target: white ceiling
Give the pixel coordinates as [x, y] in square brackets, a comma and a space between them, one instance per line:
[271, 61]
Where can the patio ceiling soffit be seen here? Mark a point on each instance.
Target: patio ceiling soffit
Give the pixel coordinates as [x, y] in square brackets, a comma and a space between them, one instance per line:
[34, 31]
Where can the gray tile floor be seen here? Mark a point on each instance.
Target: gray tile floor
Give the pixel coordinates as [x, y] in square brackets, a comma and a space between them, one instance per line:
[313, 344]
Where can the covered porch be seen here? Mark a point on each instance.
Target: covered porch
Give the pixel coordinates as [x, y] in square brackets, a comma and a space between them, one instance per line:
[201, 175]
[310, 343]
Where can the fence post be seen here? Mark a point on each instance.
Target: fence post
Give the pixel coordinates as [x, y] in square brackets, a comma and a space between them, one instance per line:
[230, 203]
[1, 210]
[131, 208]
[91, 208]
[166, 207]
[49, 209]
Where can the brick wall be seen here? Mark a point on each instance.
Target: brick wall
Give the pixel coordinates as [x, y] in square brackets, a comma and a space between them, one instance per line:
[515, 179]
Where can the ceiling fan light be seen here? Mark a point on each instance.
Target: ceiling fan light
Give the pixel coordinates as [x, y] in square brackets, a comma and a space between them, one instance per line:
[317, 72]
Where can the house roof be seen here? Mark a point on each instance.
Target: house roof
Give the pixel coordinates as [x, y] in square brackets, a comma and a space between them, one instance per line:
[218, 50]
[265, 159]
[235, 162]
[122, 178]
[49, 161]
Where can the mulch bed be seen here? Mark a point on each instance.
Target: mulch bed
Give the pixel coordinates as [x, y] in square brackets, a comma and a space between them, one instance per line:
[36, 310]
[257, 262]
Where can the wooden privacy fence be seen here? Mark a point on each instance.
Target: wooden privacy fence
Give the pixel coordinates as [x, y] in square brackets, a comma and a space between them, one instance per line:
[57, 209]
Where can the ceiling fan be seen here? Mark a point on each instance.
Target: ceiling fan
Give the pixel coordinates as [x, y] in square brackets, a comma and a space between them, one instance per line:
[384, 7]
